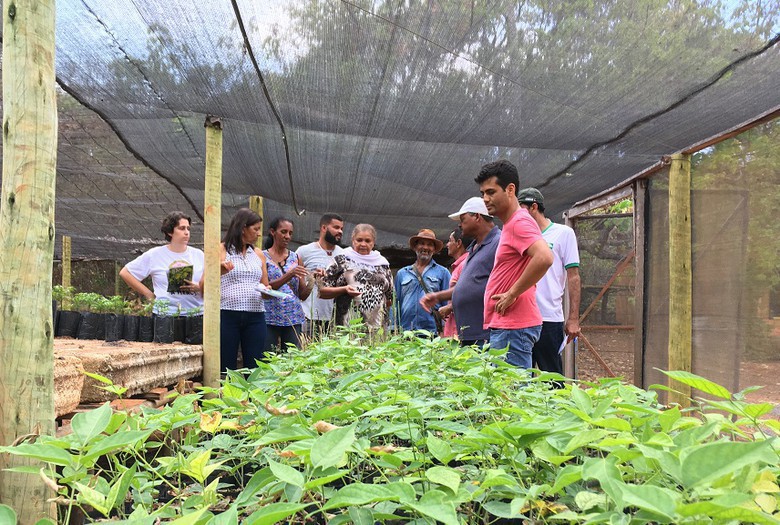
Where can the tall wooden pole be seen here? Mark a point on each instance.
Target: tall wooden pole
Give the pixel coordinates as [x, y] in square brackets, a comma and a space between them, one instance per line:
[680, 279]
[67, 270]
[212, 214]
[27, 245]
[256, 205]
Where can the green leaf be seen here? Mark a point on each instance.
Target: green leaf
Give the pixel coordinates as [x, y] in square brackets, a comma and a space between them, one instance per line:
[190, 519]
[92, 497]
[259, 479]
[581, 399]
[581, 439]
[667, 418]
[565, 477]
[273, 513]
[229, 517]
[587, 500]
[286, 473]
[361, 516]
[44, 521]
[757, 410]
[116, 495]
[114, 442]
[653, 499]
[7, 515]
[439, 448]
[433, 505]
[88, 425]
[445, 476]
[325, 478]
[699, 383]
[706, 463]
[329, 449]
[284, 434]
[41, 451]
[730, 513]
[403, 491]
[357, 494]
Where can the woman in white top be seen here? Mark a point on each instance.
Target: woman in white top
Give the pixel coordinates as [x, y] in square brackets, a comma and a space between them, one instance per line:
[175, 269]
[242, 311]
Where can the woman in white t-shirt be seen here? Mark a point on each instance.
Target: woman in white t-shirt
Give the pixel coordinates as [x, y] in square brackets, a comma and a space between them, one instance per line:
[175, 269]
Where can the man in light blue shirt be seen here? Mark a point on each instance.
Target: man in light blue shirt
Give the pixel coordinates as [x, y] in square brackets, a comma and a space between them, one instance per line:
[415, 280]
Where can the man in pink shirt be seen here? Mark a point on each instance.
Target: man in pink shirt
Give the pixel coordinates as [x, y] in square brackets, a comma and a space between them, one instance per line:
[522, 258]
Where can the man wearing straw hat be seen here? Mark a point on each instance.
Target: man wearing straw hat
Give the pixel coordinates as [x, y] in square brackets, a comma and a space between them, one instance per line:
[414, 281]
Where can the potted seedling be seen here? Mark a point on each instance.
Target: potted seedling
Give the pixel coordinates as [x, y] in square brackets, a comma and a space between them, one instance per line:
[132, 320]
[179, 325]
[163, 321]
[194, 335]
[68, 320]
[115, 318]
[146, 323]
[92, 321]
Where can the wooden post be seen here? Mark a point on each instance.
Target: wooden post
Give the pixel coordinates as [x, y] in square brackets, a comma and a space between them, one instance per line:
[67, 269]
[640, 190]
[569, 357]
[27, 246]
[680, 294]
[256, 205]
[212, 214]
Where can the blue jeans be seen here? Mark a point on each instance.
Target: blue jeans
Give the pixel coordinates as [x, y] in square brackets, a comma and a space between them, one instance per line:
[246, 328]
[520, 343]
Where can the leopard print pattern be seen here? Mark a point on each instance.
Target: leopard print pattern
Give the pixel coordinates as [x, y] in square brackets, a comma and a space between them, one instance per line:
[375, 285]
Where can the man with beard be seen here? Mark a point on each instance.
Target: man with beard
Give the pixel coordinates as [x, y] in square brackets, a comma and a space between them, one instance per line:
[468, 294]
[414, 281]
[522, 258]
[317, 256]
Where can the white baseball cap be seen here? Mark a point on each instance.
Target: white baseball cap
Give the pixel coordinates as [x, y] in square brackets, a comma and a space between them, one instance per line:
[472, 205]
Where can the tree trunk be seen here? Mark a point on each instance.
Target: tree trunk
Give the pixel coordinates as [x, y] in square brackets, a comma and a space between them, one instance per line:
[27, 244]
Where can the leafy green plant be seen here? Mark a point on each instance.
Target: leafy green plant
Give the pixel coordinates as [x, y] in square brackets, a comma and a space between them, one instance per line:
[116, 305]
[360, 429]
[162, 307]
[195, 311]
[63, 296]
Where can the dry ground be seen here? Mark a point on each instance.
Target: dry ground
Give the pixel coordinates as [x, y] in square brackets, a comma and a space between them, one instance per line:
[616, 348]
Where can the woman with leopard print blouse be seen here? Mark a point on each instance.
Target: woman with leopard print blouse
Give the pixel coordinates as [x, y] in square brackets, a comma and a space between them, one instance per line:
[361, 275]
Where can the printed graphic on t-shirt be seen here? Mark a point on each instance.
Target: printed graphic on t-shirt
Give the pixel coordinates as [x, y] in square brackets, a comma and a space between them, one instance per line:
[179, 272]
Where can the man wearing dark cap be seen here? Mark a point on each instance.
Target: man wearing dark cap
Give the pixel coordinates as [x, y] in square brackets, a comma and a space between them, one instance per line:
[564, 273]
[415, 280]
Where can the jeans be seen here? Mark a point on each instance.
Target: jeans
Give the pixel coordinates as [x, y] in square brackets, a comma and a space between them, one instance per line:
[246, 328]
[277, 337]
[520, 342]
[472, 342]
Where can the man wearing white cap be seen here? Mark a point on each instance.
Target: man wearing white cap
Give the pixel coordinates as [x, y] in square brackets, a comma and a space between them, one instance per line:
[468, 294]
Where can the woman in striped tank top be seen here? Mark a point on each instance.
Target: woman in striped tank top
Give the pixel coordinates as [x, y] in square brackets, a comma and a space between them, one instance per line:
[242, 310]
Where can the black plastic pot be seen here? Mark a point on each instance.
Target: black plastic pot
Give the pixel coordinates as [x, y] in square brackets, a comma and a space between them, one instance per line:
[115, 325]
[146, 329]
[163, 329]
[179, 328]
[130, 329]
[93, 326]
[68, 324]
[194, 335]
